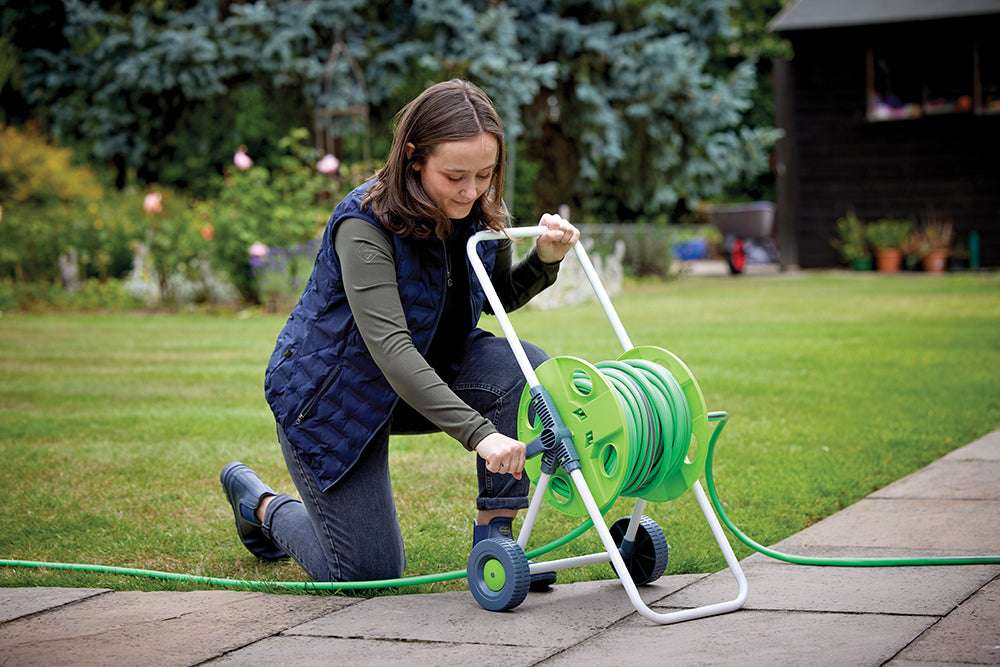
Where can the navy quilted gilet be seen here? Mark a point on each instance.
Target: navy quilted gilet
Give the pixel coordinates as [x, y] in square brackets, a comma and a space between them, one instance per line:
[321, 382]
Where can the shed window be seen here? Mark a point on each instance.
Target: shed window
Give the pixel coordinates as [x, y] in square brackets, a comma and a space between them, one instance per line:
[948, 80]
[911, 80]
[895, 89]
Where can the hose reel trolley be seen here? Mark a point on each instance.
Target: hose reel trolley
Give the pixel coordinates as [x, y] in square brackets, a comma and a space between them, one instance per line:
[634, 427]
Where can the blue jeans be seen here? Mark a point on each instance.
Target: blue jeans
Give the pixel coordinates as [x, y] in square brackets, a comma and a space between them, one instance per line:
[351, 532]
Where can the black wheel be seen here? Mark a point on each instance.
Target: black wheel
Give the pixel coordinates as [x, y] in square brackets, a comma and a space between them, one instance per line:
[646, 557]
[498, 574]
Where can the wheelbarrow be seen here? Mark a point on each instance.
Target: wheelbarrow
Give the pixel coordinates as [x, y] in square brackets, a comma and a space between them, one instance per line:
[747, 230]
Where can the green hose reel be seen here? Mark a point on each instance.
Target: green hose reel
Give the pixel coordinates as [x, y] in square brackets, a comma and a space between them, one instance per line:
[639, 424]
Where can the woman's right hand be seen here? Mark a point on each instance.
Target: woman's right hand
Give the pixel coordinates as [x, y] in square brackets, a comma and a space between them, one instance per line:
[557, 240]
[502, 454]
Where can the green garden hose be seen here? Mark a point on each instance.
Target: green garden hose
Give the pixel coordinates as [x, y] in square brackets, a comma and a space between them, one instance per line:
[657, 412]
[292, 585]
[658, 420]
[721, 418]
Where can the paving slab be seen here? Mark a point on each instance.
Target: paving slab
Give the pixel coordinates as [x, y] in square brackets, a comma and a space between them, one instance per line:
[962, 527]
[952, 479]
[162, 628]
[18, 602]
[986, 448]
[325, 651]
[777, 585]
[567, 614]
[968, 635]
[751, 638]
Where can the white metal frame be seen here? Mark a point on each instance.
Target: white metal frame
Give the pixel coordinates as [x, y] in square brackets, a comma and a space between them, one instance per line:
[612, 554]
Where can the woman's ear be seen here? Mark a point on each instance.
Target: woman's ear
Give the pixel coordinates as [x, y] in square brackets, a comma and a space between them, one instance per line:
[409, 149]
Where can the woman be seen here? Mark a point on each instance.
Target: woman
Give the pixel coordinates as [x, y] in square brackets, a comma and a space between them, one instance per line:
[384, 340]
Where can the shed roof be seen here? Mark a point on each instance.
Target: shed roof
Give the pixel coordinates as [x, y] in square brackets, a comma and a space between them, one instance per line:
[814, 14]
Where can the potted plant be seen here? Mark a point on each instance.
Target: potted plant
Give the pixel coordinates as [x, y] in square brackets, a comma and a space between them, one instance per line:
[851, 244]
[932, 243]
[889, 237]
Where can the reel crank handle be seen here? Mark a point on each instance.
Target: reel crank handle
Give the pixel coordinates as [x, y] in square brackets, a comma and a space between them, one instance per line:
[546, 441]
[555, 441]
[534, 448]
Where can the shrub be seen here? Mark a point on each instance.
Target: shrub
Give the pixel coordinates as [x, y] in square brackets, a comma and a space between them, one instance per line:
[92, 295]
[280, 274]
[45, 202]
[851, 242]
[887, 233]
[285, 206]
[177, 237]
[648, 245]
[279, 207]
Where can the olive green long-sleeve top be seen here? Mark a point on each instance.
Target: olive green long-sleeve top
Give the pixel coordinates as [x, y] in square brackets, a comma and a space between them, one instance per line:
[369, 273]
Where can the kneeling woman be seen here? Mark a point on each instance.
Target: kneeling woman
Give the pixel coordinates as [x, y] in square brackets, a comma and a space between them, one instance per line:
[384, 340]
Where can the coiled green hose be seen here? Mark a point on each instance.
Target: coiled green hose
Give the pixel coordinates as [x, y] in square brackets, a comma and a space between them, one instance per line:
[657, 416]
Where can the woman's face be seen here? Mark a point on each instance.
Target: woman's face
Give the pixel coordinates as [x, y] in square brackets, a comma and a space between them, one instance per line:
[457, 173]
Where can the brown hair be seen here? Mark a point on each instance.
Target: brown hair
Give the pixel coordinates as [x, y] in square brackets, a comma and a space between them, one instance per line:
[453, 110]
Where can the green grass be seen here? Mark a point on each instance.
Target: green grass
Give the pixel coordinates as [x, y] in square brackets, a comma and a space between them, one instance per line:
[113, 427]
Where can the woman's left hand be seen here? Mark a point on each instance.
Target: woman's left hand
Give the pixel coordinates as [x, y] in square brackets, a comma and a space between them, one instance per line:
[552, 245]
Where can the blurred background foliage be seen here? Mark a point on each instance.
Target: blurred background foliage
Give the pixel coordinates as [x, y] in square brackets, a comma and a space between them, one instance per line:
[623, 110]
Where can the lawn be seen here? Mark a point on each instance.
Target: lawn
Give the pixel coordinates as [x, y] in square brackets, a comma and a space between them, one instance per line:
[113, 427]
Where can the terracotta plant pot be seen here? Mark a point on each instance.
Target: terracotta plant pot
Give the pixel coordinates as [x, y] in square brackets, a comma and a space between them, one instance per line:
[888, 260]
[935, 261]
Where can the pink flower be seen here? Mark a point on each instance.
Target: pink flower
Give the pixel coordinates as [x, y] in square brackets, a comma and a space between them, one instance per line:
[258, 250]
[208, 232]
[153, 203]
[328, 164]
[242, 160]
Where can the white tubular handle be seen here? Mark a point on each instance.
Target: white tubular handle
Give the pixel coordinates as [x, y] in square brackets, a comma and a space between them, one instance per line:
[494, 299]
[602, 296]
[501, 315]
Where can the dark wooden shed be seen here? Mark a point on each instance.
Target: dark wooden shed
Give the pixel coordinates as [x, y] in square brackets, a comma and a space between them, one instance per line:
[891, 107]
